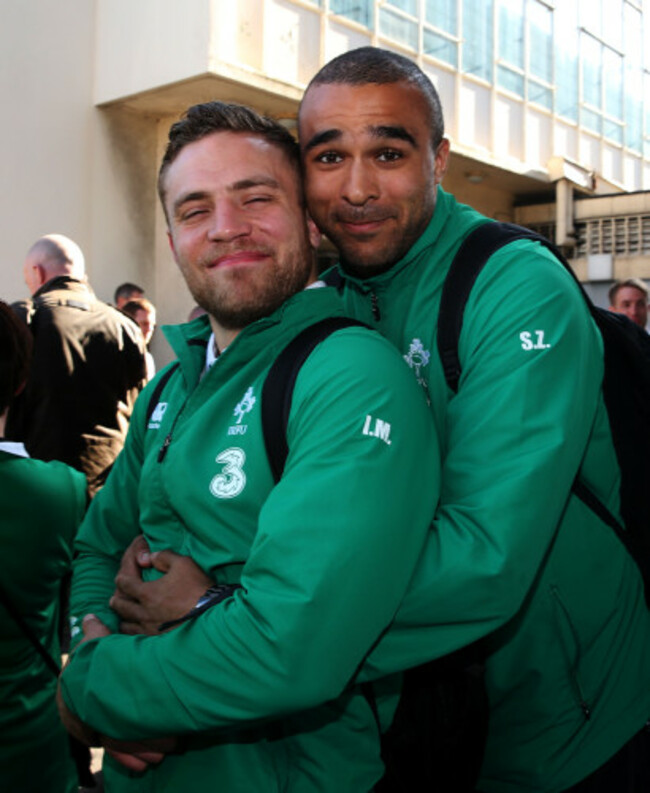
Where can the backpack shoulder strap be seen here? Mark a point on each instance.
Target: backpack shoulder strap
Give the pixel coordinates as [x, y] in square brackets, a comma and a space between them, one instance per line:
[155, 394]
[278, 387]
[29, 632]
[471, 257]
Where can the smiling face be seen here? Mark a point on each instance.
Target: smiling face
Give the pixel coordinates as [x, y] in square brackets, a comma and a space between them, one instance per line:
[370, 169]
[237, 228]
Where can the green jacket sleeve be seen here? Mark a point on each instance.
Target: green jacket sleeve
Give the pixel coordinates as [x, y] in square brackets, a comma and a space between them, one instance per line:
[337, 542]
[515, 435]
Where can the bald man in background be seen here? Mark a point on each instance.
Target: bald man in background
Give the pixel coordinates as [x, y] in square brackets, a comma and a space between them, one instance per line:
[87, 370]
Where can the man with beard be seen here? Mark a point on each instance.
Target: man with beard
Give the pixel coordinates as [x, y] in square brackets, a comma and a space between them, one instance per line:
[516, 558]
[254, 686]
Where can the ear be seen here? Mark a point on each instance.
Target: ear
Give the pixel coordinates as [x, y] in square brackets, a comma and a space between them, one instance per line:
[441, 161]
[40, 275]
[314, 234]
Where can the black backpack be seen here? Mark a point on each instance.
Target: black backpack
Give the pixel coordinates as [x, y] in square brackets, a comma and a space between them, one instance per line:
[626, 383]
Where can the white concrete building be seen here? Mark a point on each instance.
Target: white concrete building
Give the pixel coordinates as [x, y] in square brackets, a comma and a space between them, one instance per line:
[547, 103]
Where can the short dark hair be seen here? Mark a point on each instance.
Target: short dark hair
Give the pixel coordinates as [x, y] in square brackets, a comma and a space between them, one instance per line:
[367, 65]
[637, 283]
[127, 289]
[16, 344]
[138, 304]
[204, 119]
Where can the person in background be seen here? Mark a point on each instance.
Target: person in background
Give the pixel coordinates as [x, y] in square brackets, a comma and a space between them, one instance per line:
[630, 297]
[125, 292]
[87, 370]
[143, 312]
[41, 506]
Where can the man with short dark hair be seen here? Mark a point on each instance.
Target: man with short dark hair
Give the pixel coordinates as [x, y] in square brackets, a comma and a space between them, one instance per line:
[630, 297]
[300, 577]
[515, 558]
[125, 292]
[87, 369]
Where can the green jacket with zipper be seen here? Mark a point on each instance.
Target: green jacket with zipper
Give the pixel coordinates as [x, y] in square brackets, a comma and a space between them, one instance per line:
[513, 555]
[260, 685]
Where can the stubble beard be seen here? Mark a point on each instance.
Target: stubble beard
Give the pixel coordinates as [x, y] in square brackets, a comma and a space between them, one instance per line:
[244, 296]
[381, 258]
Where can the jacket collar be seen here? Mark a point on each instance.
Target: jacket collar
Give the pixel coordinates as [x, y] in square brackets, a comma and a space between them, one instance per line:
[63, 282]
[189, 340]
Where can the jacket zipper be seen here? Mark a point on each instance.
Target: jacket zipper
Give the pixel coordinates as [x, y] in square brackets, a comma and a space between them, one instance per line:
[573, 667]
[162, 452]
[374, 304]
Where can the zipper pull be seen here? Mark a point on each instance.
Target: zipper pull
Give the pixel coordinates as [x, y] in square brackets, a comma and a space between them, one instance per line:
[374, 302]
[164, 447]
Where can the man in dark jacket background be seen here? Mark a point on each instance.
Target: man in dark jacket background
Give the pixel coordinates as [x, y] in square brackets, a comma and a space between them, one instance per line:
[87, 370]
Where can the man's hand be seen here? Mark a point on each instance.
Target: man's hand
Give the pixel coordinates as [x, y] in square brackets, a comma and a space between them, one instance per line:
[93, 629]
[139, 755]
[134, 755]
[144, 605]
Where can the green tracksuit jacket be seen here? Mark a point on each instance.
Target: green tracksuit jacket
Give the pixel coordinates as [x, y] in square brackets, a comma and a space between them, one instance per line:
[514, 555]
[41, 506]
[324, 558]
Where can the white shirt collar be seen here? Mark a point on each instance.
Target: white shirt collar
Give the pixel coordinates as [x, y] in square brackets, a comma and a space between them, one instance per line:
[12, 447]
[211, 353]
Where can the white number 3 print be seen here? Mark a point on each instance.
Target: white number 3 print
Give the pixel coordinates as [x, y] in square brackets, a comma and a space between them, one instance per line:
[232, 479]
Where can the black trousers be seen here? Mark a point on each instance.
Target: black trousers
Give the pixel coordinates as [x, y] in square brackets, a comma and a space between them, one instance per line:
[628, 771]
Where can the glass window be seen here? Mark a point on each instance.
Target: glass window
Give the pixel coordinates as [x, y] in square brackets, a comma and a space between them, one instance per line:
[440, 47]
[510, 14]
[613, 130]
[540, 41]
[613, 80]
[633, 111]
[612, 23]
[590, 15]
[397, 27]
[633, 35]
[443, 14]
[646, 40]
[511, 80]
[540, 94]
[565, 27]
[591, 71]
[591, 120]
[477, 34]
[566, 83]
[410, 6]
[646, 93]
[358, 10]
